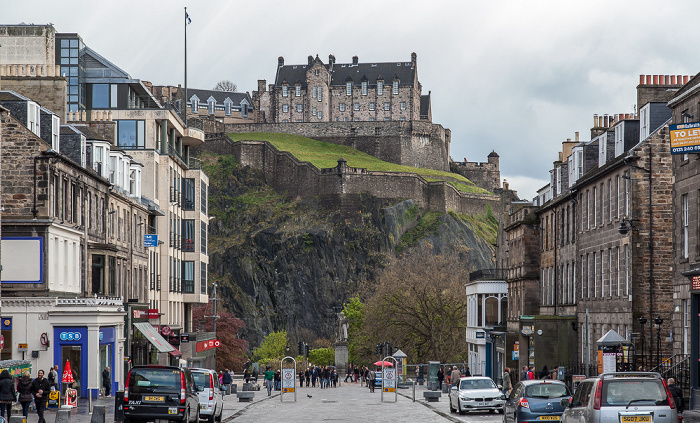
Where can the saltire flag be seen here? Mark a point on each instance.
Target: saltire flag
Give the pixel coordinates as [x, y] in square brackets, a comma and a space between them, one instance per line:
[187, 18]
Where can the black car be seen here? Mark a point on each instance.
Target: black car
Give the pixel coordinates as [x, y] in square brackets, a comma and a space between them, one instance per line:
[160, 392]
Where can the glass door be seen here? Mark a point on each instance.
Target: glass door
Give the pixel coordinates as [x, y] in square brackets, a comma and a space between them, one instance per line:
[71, 353]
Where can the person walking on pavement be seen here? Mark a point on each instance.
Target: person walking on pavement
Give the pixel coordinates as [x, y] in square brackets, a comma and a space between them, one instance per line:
[107, 381]
[674, 389]
[454, 378]
[523, 373]
[307, 376]
[531, 373]
[269, 376]
[507, 385]
[371, 376]
[8, 395]
[52, 376]
[227, 381]
[40, 390]
[440, 376]
[24, 387]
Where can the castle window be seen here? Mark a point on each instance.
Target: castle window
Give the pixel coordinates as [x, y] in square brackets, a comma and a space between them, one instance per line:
[313, 111]
[285, 108]
[386, 119]
[364, 87]
[380, 87]
[317, 72]
[300, 108]
[371, 106]
[396, 87]
[357, 119]
[386, 106]
[357, 106]
[403, 118]
[345, 119]
[297, 91]
[341, 107]
[320, 94]
[320, 114]
[284, 90]
[403, 105]
[348, 88]
[337, 119]
[314, 92]
[286, 121]
[371, 119]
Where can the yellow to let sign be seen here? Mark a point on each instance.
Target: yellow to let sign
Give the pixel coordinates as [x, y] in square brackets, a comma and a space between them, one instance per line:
[286, 390]
[685, 138]
[389, 389]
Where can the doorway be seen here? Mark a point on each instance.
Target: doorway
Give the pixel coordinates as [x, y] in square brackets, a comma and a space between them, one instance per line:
[72, 353]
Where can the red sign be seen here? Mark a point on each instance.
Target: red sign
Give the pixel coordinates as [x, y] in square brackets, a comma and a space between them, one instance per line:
[165, 330]
[207, 345]
[140, 313]
[153, 313]
[695, 283]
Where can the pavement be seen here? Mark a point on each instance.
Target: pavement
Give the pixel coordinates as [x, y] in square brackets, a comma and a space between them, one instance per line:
[349, 402]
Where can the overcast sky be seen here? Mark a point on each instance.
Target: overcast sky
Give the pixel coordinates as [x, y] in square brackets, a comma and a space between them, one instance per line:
[517, 77]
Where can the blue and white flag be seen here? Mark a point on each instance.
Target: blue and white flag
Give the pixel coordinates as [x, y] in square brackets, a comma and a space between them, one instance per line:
[187, 18]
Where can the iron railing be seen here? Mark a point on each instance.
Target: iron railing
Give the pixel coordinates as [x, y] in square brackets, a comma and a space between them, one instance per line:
[678, 367]
[490, 274]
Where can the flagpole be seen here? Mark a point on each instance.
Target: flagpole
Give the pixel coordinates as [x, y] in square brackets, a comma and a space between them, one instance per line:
[185, 102]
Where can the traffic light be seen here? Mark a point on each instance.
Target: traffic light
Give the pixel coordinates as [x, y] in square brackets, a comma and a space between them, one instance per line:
[301, 348]
[306, 346]
[389, 350]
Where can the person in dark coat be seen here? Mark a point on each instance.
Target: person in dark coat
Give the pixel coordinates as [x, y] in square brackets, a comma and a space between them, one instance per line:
[674, 389]
[106, 381]
[40, 390]
[8, 395]
[440, 377]
[227, 380]
[24, 387]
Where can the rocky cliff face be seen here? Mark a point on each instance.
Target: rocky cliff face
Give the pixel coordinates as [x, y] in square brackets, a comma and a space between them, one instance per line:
[291, 264]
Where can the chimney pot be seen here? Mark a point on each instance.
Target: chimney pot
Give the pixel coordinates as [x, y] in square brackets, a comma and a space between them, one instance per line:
[662, 79]
[354, 60]
[576, 136]
[641, 79]
[595, 120]
[648, 80]
[311, 60]
[673, 80]
[656, 79]
[280, 61]
[685, 79]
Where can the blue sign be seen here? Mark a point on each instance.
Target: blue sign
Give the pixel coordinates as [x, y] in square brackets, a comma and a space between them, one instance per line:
[150, 240]
[70, 336]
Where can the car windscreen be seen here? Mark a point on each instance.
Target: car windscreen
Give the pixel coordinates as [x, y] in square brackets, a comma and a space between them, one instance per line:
[633, 392]
[546, 390]
[145, 381]
[201, 379]
[477, 384]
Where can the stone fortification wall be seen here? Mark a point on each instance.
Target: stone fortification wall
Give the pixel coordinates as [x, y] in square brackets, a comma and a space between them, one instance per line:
[288, 175]
[410, 143]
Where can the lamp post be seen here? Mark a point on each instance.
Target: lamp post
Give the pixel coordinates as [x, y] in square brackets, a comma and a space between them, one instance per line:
[642, 322]
[658, 321]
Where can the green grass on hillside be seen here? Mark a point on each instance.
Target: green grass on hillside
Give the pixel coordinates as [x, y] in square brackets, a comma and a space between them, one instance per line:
[326, 155]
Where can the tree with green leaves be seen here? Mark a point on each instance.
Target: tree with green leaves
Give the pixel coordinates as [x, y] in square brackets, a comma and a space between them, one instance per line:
[274, 346]
[359, 349]
[322, 356]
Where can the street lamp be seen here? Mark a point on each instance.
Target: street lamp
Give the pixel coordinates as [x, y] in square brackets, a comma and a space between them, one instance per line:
[643, 321]
[658, 321]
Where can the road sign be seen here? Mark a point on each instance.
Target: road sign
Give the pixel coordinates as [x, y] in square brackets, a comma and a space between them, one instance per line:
[287, 380]
[389, 379]
[150, 240]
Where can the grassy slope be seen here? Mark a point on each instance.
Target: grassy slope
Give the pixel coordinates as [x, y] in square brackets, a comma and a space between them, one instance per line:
[326, 155]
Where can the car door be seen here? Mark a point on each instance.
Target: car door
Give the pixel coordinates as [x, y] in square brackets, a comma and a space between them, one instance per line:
[512, 402]
[576, 412]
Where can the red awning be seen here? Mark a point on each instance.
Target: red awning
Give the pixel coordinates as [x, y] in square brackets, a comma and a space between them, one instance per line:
[176, 353]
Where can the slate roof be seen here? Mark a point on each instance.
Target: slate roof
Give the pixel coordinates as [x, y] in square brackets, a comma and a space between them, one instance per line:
[220, 97]
[12, 96]
[340, 72]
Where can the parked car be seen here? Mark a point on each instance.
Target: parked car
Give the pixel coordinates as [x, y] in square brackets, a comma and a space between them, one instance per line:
[538, 400]
[476, 393]
[621, 397]
[160, 392]
[211, 398]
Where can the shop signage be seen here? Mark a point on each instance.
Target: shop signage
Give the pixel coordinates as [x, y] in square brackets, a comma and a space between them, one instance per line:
[140, 313]
[185, 337]
[6, 323]
[150, 240]
[480, 335]
[2, 341]
[70, 336]
[685, 138]
[165, 330]
[288, 380]
[22, 347]
[695, 283]
[527, 330]
[207, 345]
[153, 313]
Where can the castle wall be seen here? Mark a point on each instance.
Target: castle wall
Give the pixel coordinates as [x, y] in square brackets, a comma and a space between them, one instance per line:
[410, 143]
[288, 175]
[484, 175]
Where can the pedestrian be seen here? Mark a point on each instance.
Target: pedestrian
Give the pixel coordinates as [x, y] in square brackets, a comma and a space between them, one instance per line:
[246, 375]
[371, 378]
[674, 389]
[507, 385]
[544, 374]
[8, 395]
[356, 372]
[52, 376]
[40, 390]
[227, 380]
[348, 374]
[440, 376]
[301, 378]
[255, 375]
[454, 377]
[278, 381]
[269, 376]
[107, 381]
[531, 373]
[523, 373]
[24, 387]
[307, 376]
[314, 376]
[467, 372]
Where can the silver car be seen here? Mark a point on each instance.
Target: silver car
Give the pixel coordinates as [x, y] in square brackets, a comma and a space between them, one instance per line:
[211, 401]
[476, 394]
[621, 397]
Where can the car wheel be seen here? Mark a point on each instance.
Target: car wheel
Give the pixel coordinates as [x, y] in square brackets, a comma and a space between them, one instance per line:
[210, 419]
[459, 408]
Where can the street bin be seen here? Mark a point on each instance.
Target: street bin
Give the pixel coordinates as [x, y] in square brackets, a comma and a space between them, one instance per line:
[119, 406]
[445, 388]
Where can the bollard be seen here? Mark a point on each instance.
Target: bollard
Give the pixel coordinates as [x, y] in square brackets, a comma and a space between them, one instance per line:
[18, 419]
[234, 388]
[98, 414]
[414, 391]
[63, 416]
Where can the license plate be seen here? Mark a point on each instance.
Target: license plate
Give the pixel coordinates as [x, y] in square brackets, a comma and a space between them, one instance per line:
[480, 404]
[172, 410]
[548, 418]
[635, 419]
[202, 406]
[153, 399]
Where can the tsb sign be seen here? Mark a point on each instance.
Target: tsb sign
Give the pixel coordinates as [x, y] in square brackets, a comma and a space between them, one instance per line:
[70, 336]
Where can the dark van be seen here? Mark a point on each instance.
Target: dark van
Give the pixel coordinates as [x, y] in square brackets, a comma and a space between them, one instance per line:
[160, 392]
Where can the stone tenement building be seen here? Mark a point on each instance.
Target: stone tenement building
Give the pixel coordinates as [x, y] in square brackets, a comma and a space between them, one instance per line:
[376, 108]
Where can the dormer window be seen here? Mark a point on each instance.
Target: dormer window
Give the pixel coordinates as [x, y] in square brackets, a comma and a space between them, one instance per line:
[135, 180]
[195, 105]
[284, 90]
[396, 86]
[364, 87]
[244, 110]
[380, 87]
[227, 108]
[348, 88]
[33, 118]
[55, 133]
[211, 104]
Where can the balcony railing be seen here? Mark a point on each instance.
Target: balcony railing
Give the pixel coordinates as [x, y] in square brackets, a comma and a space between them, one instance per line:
[188, 287]
[488, 274]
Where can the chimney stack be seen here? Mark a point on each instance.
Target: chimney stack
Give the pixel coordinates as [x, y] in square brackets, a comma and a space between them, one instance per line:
[414, 59]
[354, 60]
[280, 61]
[261, 85]
[331, 59]
[576, 136]
[311, 60]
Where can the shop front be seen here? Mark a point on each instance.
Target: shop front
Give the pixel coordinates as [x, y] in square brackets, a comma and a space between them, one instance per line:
[71, 346]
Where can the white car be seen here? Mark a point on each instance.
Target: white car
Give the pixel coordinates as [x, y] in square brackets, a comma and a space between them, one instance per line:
[211, 399]
[476, 393]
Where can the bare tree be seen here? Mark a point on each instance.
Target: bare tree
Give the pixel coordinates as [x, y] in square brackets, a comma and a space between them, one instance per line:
[225, 85]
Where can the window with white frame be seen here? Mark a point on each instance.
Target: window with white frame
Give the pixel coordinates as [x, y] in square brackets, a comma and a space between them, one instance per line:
[300, 108]
[314, 111]
[595, 275]
[371, 106]
[617, 265]
[341, 107]
[387, 105]
[396, 87]
[348, 88]
[619, 195]
[610, 200]
[285, 88]
[320, 114]
[195, 105]
[314, 91]
[297, 90]
[403, 105]
[588, 275]
[685, 309]
[684, 223]
[573, 282]
[602, 203]
[583, 272]
[588, 210]
[610, 273]
[602, 273]
[211, 104]
[364, 87]
[320, 94]
[595, 207]
[356, 106]
[619, 139]
[627, 269]
[627, 194]
[227, 108]
[285, 108]
[34, 118]
[380, 87]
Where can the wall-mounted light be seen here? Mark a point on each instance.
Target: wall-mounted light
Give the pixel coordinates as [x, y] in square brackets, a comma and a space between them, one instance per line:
[687, 115]
[626, 226]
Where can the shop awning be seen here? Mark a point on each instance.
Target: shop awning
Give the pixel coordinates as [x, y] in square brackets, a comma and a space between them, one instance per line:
[176, 353]
[150, 333]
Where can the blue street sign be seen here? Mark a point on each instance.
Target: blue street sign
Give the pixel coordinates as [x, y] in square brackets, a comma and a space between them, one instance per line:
[150, 240]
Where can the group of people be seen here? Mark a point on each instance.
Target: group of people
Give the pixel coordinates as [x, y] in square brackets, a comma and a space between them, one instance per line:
[25, 390]
[452, 376]
[327, 377]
